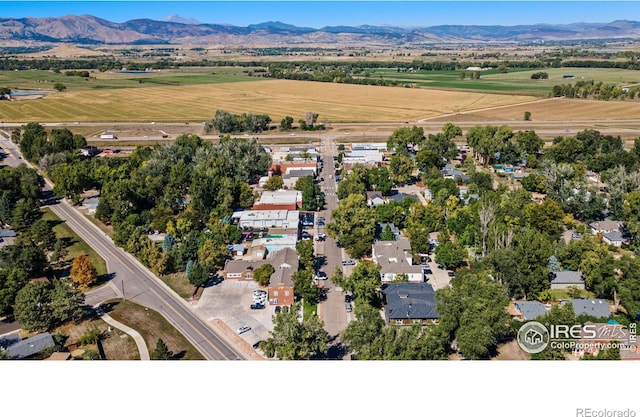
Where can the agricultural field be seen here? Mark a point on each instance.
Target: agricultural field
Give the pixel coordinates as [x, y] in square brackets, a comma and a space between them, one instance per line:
[277, 98]
[514, 81]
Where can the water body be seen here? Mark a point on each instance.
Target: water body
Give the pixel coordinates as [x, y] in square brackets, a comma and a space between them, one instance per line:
[27, 93]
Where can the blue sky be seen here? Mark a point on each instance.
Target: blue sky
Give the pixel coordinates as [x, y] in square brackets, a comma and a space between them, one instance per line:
[329, 13]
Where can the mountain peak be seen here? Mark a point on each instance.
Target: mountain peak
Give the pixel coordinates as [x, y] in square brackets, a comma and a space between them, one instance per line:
[174, 18]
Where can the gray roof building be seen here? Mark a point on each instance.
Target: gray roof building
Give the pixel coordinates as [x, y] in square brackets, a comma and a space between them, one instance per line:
[595, 308]
[406, 300]
[31, 346]
[380, 227]
[7, 233]
[615, 236]
[399, 197]
[605, 226]
[531, 309]
[567, 277]
[285, 264]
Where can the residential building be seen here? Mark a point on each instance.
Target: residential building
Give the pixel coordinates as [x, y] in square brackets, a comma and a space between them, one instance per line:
[406, 303]
[399, 197]
[275, 243]
[241, 269]
[597, 308]
[605, 226]
[530, 310]
[292, 176]
[279, 200]
[280, 289]
[395, 258]
[614, 238]
[22, 349]
[565, 279]
[374, 199]
[380, 227]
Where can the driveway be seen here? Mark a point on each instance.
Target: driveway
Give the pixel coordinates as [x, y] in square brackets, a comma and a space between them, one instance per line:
[229, 301]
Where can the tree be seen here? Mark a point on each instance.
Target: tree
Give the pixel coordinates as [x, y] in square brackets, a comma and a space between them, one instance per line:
[401, 167]
[83, 273]
[66, 302]
[274, 182]
[546, 217]
[161, 352]
[12, 280]
[363, 282]
[387, 234]
[42, 234]
[486, 213]
[310, 119]
[354, 225]
[527, 115]
[449, 254]
[286, 123]
[59, 86]
[379, 180]
[295, 340]
[473, 314]
[304, 248]
[404, 138]
[32, 307]
[198, 274]
[25, 213]
[262, 274]
[304, 286]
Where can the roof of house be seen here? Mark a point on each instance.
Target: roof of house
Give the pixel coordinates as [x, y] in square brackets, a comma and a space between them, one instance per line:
[392, 257]
[399, 197]
[605, 225]
[238, 266]
[381, 226]
[567, 277]
[374, 194]
[615, 236]
[595, 307]
[31, 346]
[531, 309]
[408, 300]
[7, 233]
[260, 206]
[285, 264]
[280, 197]
[8, 340]
[298, 173]
[238, 248]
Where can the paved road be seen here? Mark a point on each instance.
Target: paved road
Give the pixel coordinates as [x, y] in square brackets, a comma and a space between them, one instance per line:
[133, 281]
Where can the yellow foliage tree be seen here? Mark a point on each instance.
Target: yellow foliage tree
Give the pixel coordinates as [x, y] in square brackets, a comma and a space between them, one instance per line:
[83, 272]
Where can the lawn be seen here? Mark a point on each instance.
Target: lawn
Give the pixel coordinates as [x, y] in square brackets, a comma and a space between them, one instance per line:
[74, 244]
[115, 345]
[152, 326]
[179, 283]
[309, 310]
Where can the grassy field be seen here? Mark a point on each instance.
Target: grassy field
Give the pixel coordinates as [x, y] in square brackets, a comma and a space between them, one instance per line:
[152, 326]
[514, 81]
[74, 244]
[278, 98]
[114, 346]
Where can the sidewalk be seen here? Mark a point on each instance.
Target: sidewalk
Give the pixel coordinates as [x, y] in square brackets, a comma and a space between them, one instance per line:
[142, 346]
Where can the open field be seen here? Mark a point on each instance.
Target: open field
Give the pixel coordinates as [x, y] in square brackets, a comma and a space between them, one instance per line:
[152, 326]
[278, 98]
[565, 109]
[515, 81]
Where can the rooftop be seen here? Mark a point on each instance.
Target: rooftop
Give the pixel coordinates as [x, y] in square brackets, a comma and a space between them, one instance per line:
[410, 300]
[594, 308]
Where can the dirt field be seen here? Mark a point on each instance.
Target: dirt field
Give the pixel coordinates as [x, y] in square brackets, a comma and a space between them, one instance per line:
[278, 98]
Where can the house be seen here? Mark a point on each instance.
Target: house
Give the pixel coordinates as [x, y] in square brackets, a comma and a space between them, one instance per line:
[594, 307]
[280, 289]
[21, 349]
[374, 199]
[605, 226]
[241, 270]
[292, 176]
[91, 204]
[4, 233]
[530, 310]
[275, 243]
[279, 200]
[380, 227]
[406, 303]
[395, 258]
[613, 238]
[565, 279]
[454, 174]
[237, 249]
[400, 197]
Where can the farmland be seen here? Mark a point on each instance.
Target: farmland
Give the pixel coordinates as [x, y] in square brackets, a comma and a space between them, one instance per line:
[278, 98]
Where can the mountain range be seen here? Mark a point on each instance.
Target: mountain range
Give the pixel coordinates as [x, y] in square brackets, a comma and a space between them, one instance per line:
[87, 29]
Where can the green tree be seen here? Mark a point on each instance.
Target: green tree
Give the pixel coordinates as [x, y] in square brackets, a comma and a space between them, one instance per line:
[546, 217]
[262, 274]
[449, 254]
[295, 340]
[354, 225]
[198, 274]
[286, 123]
[161, 352]
[380, 180]
[304, 248]
[66, 302]
[42, 234]
[401, 167]
[304, 286]
[32, 307]
[387, 234]
[12, 280]
[363, 282]
[59, 87]
[274, 182]
[527, 115]
[404, 138]
[25, 213]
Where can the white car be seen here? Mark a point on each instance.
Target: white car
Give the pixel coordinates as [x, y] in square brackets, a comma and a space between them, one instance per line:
[243, 329]
[321, 276]
[259, 292]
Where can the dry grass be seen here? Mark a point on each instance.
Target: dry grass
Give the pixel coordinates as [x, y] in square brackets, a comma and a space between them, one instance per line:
[567, 109]
[278, 98]
[115, 347]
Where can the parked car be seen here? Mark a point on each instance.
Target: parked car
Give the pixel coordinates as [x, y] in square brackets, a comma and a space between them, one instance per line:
[243, 329]
[347, 306]
[451, 273]
[576, 235]
[260, 299]
[257, 344]
[278, 309]
[321, 276]
[258, 292]
[257, 306]
[347, 298]
[348, 262]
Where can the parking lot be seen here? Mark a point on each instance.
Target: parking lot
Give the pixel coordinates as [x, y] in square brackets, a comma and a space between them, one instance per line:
[229, 301]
